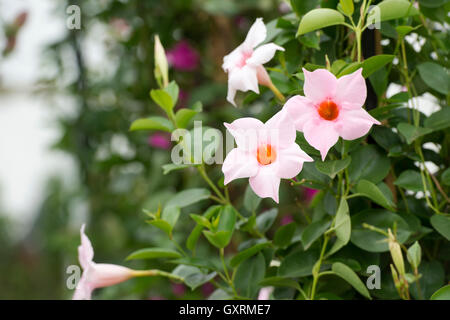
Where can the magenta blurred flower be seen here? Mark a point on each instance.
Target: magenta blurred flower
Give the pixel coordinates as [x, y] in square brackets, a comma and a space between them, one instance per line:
[159, 140]
[183, 98]
[183, 57]
[310, 193]
[287, 219]
[178, 289]
[207, 289]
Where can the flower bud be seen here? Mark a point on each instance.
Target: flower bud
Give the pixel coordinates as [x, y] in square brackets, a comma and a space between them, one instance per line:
[396, 253]
[161, 65]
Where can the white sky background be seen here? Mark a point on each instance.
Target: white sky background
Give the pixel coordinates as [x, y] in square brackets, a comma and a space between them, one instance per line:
[27, 120]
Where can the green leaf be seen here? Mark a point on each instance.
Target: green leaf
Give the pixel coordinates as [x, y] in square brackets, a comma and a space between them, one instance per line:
[162, 99]
[433, 277]
[184, 116]
[373, 241]
[318, 19]
[193, 277]
[390, 10]
[442, 225]
[445, 177]
[414, 255]
[375, 63]
[247, 253]
[371, 191]
[435, 76]
[153, 253]
[411, 132]
[251, 200]
[442, 294]
[248, 274]
[171, 214]
[438, 120]
[351, 277]
[265, 220]
[280, 282]
[197, 262]
[342, 227]
[188, 197]
[219, 239]
[163, 225]
[152, 123]
[374, 170]
[313, 232]
[410, 180]
[167, 168]
[201, 220]
[298, 264]
[284, 234]
[347, 7]
[332, 167]
[432, 3]
[197, 231]
[350, 68]
[173, 90]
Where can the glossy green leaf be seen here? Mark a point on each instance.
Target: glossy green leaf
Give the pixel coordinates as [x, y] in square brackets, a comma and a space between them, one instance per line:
[280, 282]
[371, 191]
[373, 241]
[251, 200]
[410, 180]
[318, 19]
[248, 274]
[197, 231]
[184, 116]
[265, 220]
[219, 239]
[414, 255]
[153, 253]
[162, 225]
[390, 10]
[441, 223]
[375, 63]
[167, 168]
[374, 170]
[442, 294]
[193, 277]
[284, 234]
[152, 123]
[435, 76]
[332, 167]
[438, 120]
[313, 232]
[298, 264]
[162, 99]
[342, 227]
[411, 132]
[351, 277]
[445, 177]
[247, 253]
[347, 6]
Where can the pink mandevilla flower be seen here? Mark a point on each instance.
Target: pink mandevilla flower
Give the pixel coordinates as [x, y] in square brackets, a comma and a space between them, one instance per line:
[183, 57]
[96, 275]
[265, 153]
[331, 108]
[244, 64]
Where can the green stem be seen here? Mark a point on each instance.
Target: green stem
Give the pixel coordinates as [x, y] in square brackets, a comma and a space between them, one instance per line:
[316, 269]
[277, 93]
[154, 273]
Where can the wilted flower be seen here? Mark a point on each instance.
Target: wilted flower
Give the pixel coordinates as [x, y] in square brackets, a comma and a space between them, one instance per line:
[244, 64]
[265, 153]
[183, 57]
[331, 108]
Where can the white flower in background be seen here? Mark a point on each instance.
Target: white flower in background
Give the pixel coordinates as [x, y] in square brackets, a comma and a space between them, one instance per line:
[244, 64]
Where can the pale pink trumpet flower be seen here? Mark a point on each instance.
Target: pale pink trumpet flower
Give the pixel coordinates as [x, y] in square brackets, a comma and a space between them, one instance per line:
[331, 108]
[244, 64]
[265, 153]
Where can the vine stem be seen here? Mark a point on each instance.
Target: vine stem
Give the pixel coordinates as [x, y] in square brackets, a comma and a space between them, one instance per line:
[227, 275]
[316, 270]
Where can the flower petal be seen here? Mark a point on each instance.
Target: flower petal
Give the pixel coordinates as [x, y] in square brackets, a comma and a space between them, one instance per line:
[280, 130]
[351, 90]
[246, 132]
[321, 135]
[266, 183]
[256, 34]
[353, 124]
[103, 275]
[83, 290]
[231, 60]
[301, 110]
[319, 85]
[239, 164]
[242, 79]
[85, 250]
[263, 54]
[290, 161]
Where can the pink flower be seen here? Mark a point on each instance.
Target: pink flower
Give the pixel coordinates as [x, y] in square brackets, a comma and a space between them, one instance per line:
[264, 293]
[178, 289]
[265, 153]
[207, 289]
[286, 219]
[159, 140]
[96, 275]
[183, 57]
[331, 108]
[244, 64]
[310, 193]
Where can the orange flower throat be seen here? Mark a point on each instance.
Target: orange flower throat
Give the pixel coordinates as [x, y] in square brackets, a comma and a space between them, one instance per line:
[266, 154]
[328, 110]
